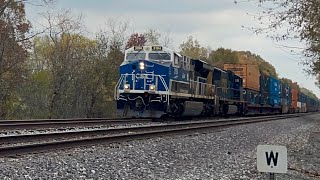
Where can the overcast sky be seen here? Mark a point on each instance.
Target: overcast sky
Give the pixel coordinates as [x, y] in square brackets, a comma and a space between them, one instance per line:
[214, 23]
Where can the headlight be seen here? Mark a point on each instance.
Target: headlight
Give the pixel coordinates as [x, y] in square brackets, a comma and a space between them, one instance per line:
[141, 65]
[127, 87]
[152, 87]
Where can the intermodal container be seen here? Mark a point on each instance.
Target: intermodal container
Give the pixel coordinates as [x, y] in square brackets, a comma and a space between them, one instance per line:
[274, 100]
[264, 83]
[264, 88]
[294, 95]
[264, 98]
[289, 95]
[284, 93]
[284, 101]
[274, 86]
[295, 86]
[299, 104]
[294, 104]
[249, 73]
[284, 90]
[304, 107]
[302, 97]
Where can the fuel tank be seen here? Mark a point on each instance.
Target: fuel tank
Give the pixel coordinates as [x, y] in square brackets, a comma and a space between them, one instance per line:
[232, 109]
[192, 108]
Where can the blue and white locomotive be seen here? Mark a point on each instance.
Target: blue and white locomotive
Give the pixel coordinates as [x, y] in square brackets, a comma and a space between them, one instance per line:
[156, 81]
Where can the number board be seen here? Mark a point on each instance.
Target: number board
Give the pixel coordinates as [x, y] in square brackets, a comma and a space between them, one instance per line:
[156, 48]
[138, 48]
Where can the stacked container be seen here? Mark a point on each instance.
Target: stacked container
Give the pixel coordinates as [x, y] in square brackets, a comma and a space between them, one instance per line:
[249, 73]
[302, 106]
[294, 91]
[274, 91]
[264, 89]
[294, 100]
[299, 104]
[285, 96]
[251, 85]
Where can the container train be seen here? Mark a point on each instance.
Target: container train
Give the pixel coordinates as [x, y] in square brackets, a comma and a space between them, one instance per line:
[156, 81]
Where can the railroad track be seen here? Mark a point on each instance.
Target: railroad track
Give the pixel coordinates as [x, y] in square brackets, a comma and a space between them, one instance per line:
[53, 123]
[61, 140]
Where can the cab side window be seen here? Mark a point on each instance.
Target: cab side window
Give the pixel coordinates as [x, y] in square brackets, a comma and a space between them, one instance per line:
[176, 60]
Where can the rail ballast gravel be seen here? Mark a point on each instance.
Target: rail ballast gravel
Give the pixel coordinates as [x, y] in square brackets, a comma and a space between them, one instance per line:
[118, 134]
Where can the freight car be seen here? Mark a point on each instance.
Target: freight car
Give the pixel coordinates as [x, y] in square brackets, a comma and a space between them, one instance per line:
[156, 81]
[262, 92]
[268, 95]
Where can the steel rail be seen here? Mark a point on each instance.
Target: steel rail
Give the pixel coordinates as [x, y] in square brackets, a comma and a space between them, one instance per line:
[75, 122]
[129, 133]
[56, 120]
[95, 132]
[66, 120]
[29, 124]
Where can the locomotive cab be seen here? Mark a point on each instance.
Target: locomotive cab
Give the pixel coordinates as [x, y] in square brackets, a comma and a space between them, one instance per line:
[143, 87]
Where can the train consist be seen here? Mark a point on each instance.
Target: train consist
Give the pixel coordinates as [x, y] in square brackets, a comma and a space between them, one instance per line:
[156, 81]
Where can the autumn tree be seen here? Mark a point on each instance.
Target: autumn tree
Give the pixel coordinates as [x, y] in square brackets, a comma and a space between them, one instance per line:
[166, 39]
[112, 40]
[152, 37]
[136, 39]
[294, 19]
[14, 28]
[156, 37]
[193, 49]
[72, 75]
[222, 56]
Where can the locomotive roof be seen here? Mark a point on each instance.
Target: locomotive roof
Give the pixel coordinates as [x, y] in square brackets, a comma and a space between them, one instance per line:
[209, 66]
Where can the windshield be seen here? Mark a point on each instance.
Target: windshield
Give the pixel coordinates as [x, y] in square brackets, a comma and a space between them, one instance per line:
[159, 56]
[135, 56]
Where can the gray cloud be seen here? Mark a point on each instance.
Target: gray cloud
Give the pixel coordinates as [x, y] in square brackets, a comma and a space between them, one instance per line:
[213, 23]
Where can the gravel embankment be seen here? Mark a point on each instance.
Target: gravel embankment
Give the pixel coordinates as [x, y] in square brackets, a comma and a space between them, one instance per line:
[226, 154]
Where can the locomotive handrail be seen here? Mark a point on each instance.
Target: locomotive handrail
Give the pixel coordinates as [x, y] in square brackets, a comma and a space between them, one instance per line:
[166, 87]
[225, 92]
[202, 91]
[164, 83]
[116, 92]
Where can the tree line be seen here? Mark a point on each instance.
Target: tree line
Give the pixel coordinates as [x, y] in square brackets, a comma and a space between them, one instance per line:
[62, 72]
